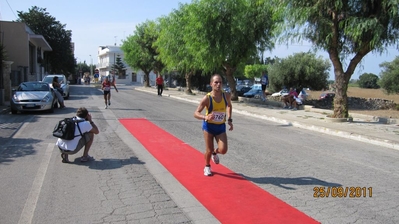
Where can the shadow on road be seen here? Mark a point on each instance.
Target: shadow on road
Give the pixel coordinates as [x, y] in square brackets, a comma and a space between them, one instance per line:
[19, 148]
[284, 181]
[107, 164]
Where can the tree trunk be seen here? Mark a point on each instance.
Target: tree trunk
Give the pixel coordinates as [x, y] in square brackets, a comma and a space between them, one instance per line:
[232, 83]
[342, 80]
[188, 83]
[147, 79]
[341, 97]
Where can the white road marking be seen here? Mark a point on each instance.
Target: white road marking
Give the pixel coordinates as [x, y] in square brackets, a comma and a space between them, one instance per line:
[30, 205]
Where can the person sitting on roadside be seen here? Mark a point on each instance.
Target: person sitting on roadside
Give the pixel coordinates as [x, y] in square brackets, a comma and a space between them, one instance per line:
[290, 98]
[295, 103]
[88, 129]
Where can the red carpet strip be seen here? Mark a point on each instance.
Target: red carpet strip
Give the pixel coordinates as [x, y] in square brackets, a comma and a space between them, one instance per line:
[227, 195]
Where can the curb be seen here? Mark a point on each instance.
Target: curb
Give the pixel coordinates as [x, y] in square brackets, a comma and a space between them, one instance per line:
[321, 129]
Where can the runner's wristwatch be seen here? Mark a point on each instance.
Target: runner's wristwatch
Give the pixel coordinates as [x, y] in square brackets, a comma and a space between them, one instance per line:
[230, 120]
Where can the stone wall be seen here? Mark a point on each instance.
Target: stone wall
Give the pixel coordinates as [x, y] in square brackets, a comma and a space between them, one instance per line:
[356, 103]
[353, 103]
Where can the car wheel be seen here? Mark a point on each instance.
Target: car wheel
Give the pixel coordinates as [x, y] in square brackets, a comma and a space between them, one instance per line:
[14, 111]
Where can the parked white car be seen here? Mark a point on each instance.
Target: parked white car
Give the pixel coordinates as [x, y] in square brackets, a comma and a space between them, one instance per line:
[62, 80]
[283, 92]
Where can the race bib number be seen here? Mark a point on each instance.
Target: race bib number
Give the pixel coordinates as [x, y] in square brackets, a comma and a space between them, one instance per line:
[218, 116]
[107, 88]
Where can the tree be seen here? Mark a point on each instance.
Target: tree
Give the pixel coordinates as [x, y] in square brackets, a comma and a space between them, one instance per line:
[390, 76]
[225, 33]
[119, 67]
[369, 81]
[255, 71]
[139, 51]
[61, 58]
[299, 71]
[173, 49]
[345, 29]
[82, 67]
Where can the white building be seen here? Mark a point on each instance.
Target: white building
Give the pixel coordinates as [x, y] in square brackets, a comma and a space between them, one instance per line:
[107, 56]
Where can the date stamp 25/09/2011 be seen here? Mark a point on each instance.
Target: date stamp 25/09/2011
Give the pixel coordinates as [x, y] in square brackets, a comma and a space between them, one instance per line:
[342, 192]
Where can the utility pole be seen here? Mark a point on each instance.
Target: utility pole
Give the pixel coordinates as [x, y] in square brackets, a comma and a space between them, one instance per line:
[91, 66]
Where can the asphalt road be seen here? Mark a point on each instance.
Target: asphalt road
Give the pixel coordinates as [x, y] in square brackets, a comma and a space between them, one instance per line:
[121, 186]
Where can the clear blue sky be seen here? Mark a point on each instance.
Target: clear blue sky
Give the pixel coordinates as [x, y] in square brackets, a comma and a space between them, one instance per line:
[96, 23]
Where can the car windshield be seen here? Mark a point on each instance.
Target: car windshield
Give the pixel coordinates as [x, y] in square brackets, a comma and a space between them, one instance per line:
[33, 87]
[49, 79]
[256, 86]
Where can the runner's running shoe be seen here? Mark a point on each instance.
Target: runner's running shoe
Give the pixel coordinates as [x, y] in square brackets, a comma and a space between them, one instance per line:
[215, 158]
[207, 171]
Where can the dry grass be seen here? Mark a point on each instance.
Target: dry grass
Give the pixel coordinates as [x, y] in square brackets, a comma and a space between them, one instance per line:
[367, 93]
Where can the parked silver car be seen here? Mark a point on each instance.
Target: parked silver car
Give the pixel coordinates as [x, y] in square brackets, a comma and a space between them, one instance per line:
[62, 80]
[33, 96]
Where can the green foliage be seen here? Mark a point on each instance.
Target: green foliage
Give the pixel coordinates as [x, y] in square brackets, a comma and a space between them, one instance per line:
[353, 84]
[343, 29]
[82, 67]
[225, 33]
[369, 81]
[61, 58]
[119, 67]
[255, 71]
[139, 49]
[390, 76]
[299, 71]
[173, 49]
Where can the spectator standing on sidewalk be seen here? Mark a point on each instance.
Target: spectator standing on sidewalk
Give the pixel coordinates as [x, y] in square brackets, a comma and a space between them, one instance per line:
[96, 76]
[218, 109]
[58, 91]
[264, 82]
[159, 82]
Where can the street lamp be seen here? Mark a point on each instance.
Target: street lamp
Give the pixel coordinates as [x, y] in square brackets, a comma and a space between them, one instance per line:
[91, 66]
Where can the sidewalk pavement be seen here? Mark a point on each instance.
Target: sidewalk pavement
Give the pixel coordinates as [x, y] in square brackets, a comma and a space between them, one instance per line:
[374, 130]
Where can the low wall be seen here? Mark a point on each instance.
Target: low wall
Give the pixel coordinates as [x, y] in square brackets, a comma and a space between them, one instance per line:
[356, 103]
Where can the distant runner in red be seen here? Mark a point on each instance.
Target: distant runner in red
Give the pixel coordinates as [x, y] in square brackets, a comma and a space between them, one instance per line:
[159, 82]
[218, 107]
[106, 87]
